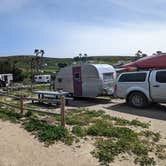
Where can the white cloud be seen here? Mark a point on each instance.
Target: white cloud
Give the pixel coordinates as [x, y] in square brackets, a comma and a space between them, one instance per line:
[110, 41]
[62, 38]
[69, 40]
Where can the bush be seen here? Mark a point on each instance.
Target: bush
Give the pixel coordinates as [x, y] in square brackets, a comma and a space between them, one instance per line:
[12, 116]
[151, 135]
[103, 128]
[124, 122]
[145, 161]
[82, 117]
[45, 132]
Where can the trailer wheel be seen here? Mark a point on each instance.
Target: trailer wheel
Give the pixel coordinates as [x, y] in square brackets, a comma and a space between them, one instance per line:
[137, 99]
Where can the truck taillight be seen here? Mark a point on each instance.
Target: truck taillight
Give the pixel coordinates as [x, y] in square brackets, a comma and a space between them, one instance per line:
[115, 88]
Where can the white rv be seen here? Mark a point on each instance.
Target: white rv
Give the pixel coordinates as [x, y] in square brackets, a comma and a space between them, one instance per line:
[42, 78]
[87, 80]
[6, 79]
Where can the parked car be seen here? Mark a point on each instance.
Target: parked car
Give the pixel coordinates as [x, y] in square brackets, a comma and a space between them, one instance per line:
[142, 87]
[42, 78]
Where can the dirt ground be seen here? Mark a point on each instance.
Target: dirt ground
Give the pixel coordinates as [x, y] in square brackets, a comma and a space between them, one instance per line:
[19, 148]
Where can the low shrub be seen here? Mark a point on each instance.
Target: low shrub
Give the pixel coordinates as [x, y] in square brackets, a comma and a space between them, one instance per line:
[151, 135]
[83, 117]
[145, 161]
[125, 122]
[79, 131]
[161, 152]
[103, 128]
[107, 149]
[45, 132]
[12, 116]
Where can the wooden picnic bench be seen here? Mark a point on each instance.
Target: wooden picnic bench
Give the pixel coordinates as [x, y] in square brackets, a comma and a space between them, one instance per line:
[52, 96]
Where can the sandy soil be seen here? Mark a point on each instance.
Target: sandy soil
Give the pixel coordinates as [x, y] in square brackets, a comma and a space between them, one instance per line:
[19, 148]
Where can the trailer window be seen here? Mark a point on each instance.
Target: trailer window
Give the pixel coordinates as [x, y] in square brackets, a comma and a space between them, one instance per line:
[161, 76]
[40, 77]
[134, 77]
[108, 76]
[77, 76]
[59, 80]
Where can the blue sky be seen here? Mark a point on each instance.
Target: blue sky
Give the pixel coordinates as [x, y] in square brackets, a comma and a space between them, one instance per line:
[65, 28]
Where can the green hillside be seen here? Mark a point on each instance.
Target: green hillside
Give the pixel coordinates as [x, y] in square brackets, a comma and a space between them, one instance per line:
[21, 65]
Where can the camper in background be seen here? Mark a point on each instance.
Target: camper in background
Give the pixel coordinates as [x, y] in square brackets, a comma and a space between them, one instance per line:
[87, 80]
[6, 80]
[42, 78]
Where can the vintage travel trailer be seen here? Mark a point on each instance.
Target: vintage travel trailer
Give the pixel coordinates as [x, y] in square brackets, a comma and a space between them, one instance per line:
[42, 78]
[87, 80]
[6, 80]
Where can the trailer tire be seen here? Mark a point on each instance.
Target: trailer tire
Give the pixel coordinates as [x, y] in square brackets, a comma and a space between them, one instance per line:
[137, 100]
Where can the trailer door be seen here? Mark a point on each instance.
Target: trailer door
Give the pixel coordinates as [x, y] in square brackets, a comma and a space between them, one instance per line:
[77, 81]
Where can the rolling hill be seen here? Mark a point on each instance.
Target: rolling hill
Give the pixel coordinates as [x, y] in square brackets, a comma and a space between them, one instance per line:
[23, 62]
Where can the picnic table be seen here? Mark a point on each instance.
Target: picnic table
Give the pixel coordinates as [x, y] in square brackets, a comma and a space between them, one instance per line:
[52, 96]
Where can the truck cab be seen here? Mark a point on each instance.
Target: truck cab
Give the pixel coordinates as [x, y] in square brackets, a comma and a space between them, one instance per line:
[158, 85]
[142, 87]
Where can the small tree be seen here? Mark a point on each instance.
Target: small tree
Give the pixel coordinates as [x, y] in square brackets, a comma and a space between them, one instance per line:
[140, 54]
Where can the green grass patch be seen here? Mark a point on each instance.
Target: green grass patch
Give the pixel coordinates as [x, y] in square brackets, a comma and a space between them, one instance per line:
[120, 140]
[113, 135]
[79, 131]
[151, 135]
[125, 122]
[45, 132]
[145, 161]
[82, 117]
[107, 149]
[6, 114]
[103, 128]
[161, 152]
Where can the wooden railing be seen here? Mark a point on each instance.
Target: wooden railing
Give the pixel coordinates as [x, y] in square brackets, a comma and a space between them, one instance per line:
[22, 99]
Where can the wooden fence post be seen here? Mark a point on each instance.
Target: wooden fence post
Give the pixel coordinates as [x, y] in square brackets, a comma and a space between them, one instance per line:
[63, 111]
[21, 105]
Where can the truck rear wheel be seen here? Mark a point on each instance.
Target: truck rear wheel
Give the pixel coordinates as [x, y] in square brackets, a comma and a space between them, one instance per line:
[138, 100]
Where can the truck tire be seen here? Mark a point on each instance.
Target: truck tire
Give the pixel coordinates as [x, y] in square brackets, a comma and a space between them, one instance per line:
[138, 100]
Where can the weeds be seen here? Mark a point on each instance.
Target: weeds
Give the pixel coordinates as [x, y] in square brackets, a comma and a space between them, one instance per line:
[119, 140]
[151, 135]
[79, 131]
[108, 149]
[124, 122]
[103, 128]
[45, 132]
[5, 114]
[161, 152]
[42, 130]
[83, 117]
[145, 161]
[114, 137]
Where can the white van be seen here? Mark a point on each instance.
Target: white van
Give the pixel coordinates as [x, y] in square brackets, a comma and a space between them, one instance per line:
[42, 78]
